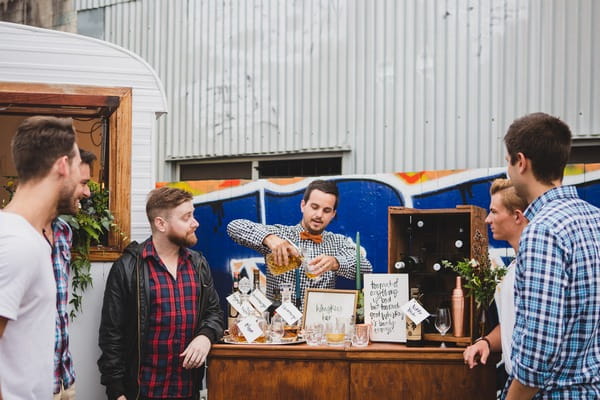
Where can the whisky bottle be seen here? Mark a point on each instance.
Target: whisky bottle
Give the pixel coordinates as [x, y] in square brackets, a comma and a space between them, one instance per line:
[414, 335]
[408, 264]
[232, 313]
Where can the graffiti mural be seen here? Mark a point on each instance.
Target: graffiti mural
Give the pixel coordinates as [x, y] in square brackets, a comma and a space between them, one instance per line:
[364, 200]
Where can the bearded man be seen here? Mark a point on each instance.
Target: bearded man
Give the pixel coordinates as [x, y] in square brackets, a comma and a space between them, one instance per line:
[161, 311]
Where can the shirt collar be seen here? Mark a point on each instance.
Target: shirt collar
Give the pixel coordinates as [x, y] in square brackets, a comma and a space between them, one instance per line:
[149, 251]
[556, 193]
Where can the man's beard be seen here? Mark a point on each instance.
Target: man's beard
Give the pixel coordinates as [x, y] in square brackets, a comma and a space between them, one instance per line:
[67, 203]
[187, 240]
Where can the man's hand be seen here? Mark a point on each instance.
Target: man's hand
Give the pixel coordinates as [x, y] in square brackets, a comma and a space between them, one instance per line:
[324, 263]
[196, 352]
[280, 248]
[478, 352]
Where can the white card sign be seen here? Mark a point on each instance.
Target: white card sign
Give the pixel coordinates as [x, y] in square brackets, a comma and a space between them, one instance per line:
[259, 300]
[323, 305]
[384, 296]
[250, 329]
[289, 313]
[415, 311]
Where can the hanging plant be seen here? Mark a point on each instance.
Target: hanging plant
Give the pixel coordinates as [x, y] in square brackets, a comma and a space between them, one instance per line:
[90, 225]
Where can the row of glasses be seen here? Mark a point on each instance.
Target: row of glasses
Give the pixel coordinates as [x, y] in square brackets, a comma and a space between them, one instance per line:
[334, 333]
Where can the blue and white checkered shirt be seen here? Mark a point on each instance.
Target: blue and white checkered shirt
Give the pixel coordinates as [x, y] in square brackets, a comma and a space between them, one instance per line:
[64, 373]
[252, 234]
[556, 340]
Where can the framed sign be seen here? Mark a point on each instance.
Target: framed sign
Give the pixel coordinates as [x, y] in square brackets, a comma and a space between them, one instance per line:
[385, 294]
[321, 305]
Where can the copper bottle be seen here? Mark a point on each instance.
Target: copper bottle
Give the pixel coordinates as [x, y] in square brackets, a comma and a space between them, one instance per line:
[458, 309]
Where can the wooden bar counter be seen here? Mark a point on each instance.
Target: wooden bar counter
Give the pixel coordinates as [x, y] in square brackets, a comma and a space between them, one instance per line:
[378, 371]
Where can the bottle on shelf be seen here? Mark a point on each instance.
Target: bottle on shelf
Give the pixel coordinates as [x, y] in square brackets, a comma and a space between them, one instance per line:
[414, 334]
[408, 263]
[461, 238]
[458, 309]
[232, 313]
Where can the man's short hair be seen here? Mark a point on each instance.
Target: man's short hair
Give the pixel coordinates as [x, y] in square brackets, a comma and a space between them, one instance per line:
[328, 187]
[510, 199]
[87, 157]
[39, 142]
[165, 198]
[545, 140]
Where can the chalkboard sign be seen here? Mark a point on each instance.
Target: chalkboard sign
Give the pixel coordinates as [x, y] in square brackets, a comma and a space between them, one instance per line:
[385, 294]
[322, 305]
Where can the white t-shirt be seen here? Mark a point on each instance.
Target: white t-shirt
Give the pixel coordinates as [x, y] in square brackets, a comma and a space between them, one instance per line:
[505, 302]
[28, 301]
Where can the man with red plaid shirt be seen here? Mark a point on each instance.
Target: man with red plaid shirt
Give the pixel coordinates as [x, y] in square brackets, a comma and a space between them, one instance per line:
[161, 311]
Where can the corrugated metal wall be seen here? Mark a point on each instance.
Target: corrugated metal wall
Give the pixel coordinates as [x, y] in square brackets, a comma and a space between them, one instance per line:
[394, 85]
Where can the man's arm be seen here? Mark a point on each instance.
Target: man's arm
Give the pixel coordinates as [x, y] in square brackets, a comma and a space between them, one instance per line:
[345, 255]
[249, 234]
[111, 339]
[518, 391]
[539, 306]
[3, 322]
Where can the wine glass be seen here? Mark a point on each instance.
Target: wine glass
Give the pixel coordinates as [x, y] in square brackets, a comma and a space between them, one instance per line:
[442, 321]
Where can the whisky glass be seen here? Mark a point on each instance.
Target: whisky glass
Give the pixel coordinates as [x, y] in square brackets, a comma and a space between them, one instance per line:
[335, 331]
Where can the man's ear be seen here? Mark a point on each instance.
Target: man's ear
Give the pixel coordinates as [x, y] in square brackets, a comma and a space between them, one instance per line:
[302, 204]
[519, 217]
[160, 223]
[62, 166]
[523, 163]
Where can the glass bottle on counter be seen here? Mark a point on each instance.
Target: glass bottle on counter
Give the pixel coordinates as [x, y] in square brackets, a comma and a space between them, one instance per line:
[291, 331]
[414, 334]
[276, 302]
[232, 313]
[236, 333]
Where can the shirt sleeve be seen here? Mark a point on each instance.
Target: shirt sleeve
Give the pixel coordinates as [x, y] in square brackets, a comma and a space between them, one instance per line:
[15, 276]
[540, 282]
[346, 256]
[252, 234]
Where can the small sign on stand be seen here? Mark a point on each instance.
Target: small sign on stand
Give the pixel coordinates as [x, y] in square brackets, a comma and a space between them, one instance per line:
[385, 294]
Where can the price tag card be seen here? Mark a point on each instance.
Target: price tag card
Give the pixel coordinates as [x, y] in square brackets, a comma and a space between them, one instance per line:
[235, 299]
[415, 311]
[241, 306]
[259, 300]
[250, 328]
[289, 313]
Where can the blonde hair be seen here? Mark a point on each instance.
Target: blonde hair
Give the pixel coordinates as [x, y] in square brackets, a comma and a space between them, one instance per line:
[510, 199]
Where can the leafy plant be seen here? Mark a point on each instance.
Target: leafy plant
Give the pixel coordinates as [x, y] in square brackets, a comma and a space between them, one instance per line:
[11, 187]
[480, 278]
[93, 221]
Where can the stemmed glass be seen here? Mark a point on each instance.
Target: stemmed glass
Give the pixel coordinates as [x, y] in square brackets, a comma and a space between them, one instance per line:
[442, 322]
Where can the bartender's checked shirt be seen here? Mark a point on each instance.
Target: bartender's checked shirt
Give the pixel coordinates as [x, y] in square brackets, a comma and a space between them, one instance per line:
[252, 234]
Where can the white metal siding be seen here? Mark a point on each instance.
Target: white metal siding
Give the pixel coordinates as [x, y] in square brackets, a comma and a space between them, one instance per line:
[403, 85]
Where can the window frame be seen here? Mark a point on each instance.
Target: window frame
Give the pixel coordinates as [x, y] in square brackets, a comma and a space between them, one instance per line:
[79, 101]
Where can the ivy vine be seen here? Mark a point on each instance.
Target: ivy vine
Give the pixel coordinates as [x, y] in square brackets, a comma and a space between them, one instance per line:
[90, 226]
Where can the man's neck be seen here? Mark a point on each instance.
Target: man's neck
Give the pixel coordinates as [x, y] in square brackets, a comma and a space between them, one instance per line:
[536, 189]
[165, 249]
[38, 210]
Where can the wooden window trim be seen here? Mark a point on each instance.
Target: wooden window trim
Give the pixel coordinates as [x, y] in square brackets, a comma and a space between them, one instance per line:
[75, 100]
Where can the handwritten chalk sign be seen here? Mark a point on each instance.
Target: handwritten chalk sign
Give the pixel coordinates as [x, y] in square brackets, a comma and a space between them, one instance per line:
[323, 305]
[385, 294]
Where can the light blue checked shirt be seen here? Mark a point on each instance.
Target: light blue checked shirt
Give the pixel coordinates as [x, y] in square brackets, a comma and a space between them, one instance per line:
[556, 340]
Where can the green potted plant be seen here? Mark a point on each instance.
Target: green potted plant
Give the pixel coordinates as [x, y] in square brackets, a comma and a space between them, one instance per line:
[90, 225]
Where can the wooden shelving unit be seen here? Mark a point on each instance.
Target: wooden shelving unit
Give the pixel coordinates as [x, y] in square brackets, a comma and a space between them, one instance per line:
[431, 235]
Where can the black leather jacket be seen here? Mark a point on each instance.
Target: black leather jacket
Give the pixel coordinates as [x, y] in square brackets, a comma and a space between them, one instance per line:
[125, 320]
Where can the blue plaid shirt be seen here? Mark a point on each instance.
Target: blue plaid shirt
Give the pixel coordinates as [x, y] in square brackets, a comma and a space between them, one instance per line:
[64, 373]
[556, 340]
